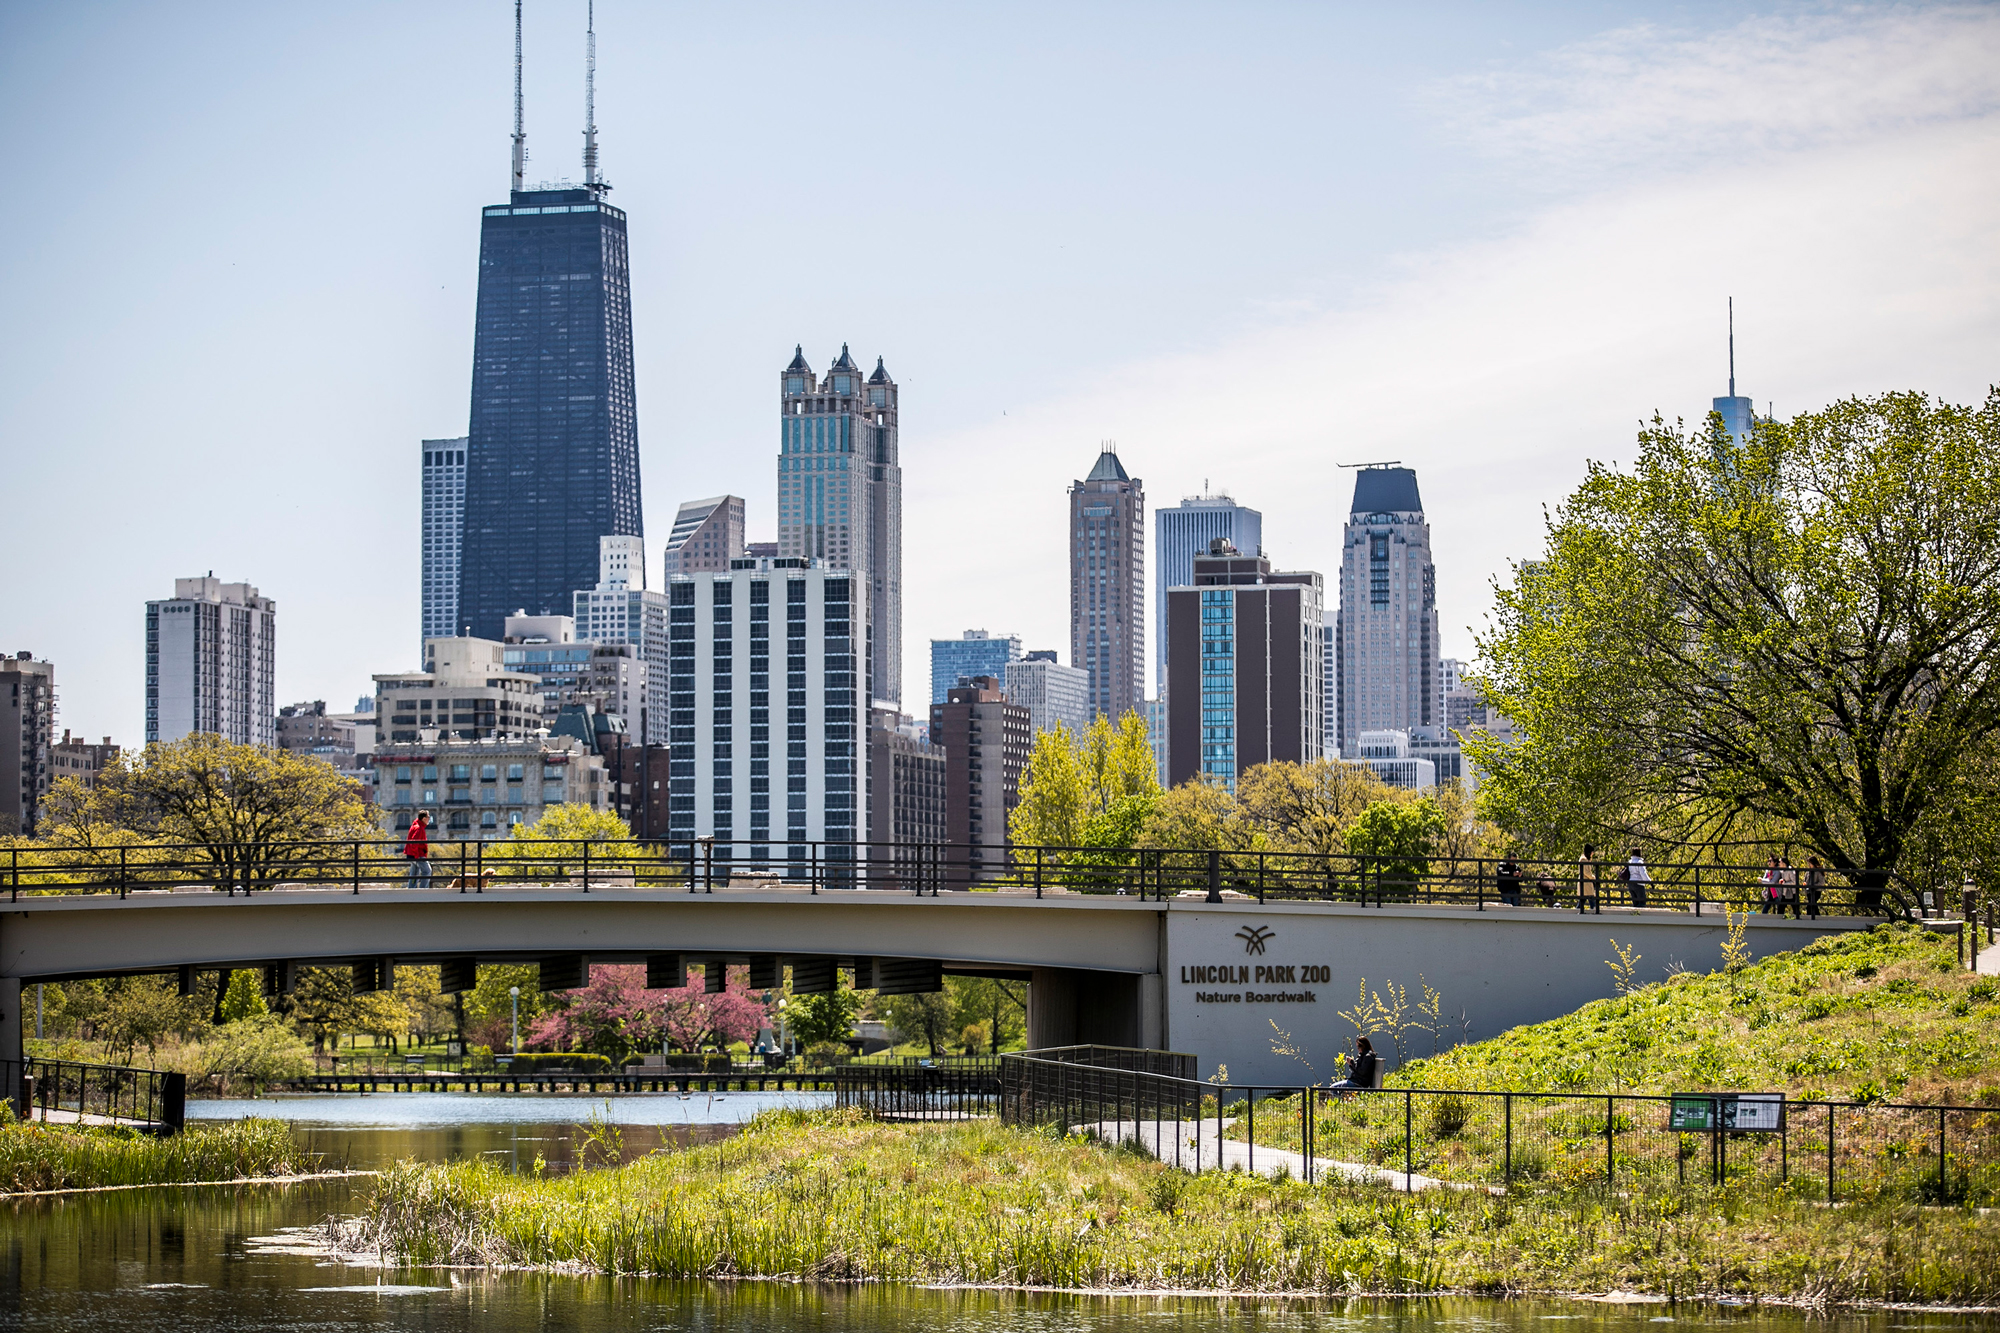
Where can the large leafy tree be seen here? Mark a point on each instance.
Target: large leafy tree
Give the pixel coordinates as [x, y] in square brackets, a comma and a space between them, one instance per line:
[1079, 787]
[1791, 637]
[248, 815]
[1308, 807]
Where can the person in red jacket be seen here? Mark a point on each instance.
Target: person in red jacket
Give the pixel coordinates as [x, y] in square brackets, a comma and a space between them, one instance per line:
[417, 847]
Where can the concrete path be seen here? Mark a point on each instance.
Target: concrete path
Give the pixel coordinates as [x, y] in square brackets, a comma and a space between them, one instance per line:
[1989, 958]
[1183, 1143]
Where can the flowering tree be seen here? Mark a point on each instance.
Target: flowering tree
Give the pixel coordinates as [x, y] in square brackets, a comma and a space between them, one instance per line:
[616, 1015]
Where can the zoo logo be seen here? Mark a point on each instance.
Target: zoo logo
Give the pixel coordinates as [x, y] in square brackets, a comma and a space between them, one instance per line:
[1255, 938]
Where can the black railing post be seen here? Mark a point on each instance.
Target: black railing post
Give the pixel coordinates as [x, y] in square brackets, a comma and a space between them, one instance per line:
[1038, 872]
[1943, 1180]
[1829, 1154]
[586, 863]
[1507, 1158]
[1610, 1150]
[1409, 1141]
[355, 868]
[1214, 878]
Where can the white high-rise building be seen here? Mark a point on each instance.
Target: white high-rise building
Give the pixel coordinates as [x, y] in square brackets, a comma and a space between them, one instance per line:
[211, 653]
[1184, 532]
[444, 532]
[621, 609]
[767, 714]
[1386, 637]
[1052, 693]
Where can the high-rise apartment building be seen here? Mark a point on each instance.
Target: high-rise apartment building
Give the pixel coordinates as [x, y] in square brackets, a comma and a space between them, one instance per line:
[840, 496]
[1386, 637]
[27, 732]
[1053, 694]
[444, 533]
[974, 653]
[552, 462]
[464, 693]
[986, 741]
[707, 535]
[308, 729]
[766, 712]
[211, 663]
[1184, 532]
[906, 800]
[78, 760]
[1243, 668]
[622, 609]
[1107, 585]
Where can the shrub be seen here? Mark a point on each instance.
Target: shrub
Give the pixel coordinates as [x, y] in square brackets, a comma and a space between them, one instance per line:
[561, 1062]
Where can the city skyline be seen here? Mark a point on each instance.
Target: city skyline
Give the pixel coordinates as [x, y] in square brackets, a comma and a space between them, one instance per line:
[1563, 244]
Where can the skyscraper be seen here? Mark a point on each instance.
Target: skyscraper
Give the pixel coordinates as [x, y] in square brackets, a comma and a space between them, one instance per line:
[27, 730]
[553, 458]
[1738, 416]
[444, 530]
[1386, 637]
[707, 535]
[975, 653]
[621, 609]
[211, 654]
[1184, 532]
[1243, 668]
[1107, 585]
[840, 494]
[1053, 694]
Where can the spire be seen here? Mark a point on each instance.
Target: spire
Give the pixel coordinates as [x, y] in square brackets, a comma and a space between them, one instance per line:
[1732, 347]
[590, 97]
[880, 376]
[1108, 467]
[799, 359]
[846, 362]
[520, 134]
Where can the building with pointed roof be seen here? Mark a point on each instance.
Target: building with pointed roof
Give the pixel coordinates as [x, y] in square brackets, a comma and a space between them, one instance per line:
[1107, 585]
[840, 494]
[1384, 649]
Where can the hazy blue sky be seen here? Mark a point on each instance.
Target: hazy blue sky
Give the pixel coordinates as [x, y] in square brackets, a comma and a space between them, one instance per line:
[1247, 242]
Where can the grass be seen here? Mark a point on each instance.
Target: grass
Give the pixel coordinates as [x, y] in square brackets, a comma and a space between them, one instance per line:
[60, 1157]
[833, 1196]
[1861, 1015]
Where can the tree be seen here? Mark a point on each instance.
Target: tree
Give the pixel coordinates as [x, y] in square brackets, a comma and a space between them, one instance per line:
[996, 1005]
[1793, 635]
[695, 1019]
[1072, 780]
[817, 1019]
[489, 1008]
[428, 1010]
[1308, 807]
[926, 1016]
[1397, 839]
[614, 1015]
[250, 813]
[554, 844]
[244, 997]
[140, 1011]
[325, 1004]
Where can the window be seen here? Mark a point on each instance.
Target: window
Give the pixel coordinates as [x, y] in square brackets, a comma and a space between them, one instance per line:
[489, 772]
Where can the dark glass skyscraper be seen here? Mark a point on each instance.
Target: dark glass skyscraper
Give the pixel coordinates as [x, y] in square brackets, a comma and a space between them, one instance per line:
[554, 457]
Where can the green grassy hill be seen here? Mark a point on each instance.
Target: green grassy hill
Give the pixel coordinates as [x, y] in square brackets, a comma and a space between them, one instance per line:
[1879, 1014]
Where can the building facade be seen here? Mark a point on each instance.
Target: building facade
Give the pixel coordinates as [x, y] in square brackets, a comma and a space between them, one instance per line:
[907, 780]
[308, 729]
[1107, 585]
[1386, 635]
[466, 694]
[1390, 755]
[766, 717]
[552, 462]
[986, 741]
[78, 760]
[1184, 532]
[1243, 682]
[481, 789]
[1154, 711]
[840, 496]
[211, 663]
[1053, 694]
[707, 535]
[444, 536]
[621, 609]
[27, 734]
[973, 653]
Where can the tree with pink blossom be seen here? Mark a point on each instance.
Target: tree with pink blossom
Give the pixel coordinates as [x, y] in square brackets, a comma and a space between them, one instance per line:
[615, 1015]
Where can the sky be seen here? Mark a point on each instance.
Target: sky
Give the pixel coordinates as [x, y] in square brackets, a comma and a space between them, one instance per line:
[1246, 242]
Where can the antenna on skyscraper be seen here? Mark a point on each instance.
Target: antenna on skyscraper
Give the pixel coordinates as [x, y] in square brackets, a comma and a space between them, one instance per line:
[1394, 462]
[590, 97]
[1732, 347]
[520, 135]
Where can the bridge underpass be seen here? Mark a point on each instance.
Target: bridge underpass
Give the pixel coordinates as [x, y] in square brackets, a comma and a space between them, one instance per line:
[1215, 979]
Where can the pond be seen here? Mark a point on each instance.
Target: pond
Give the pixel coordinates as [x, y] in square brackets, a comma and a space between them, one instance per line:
[219, 1258]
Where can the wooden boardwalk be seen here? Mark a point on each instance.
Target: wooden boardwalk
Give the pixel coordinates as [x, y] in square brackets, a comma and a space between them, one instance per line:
[652, 1080]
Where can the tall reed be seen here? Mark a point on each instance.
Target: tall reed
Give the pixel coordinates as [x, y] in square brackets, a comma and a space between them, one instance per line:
[53, 1157]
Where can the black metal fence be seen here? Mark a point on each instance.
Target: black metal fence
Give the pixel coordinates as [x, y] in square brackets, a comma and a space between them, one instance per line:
[707, 864]
[959, 1089]
[1418, 1137]
[64, 1091]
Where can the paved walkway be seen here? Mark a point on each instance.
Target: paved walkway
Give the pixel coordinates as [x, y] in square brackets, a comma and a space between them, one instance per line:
[1989, 958]
[1184, 1143]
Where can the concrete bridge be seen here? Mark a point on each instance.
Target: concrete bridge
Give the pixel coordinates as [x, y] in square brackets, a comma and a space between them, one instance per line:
[1214, 978]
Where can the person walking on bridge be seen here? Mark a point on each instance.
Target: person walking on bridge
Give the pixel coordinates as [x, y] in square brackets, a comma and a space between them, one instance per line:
[417, 848]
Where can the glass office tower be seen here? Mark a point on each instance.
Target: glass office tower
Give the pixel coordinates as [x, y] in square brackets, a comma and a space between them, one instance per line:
[553, 463]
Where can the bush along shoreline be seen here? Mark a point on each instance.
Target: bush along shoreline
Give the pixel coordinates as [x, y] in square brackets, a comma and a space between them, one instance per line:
[40, 1158]
[831, 1196]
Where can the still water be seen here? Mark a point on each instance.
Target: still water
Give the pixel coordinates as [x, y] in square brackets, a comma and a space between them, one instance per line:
[219, 1259]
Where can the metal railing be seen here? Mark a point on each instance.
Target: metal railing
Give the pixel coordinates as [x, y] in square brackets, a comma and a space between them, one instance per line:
[65, 1091]
[959, 1089]
[1927, 1153]
[702, 865]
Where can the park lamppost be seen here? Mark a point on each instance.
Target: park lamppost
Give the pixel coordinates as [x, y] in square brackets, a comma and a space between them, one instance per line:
[514, 996]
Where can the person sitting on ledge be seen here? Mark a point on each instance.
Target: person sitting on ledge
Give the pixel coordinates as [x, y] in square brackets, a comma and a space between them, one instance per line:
[1361, 1066]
